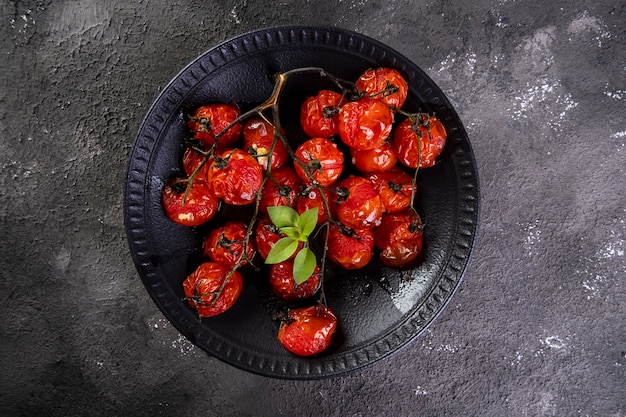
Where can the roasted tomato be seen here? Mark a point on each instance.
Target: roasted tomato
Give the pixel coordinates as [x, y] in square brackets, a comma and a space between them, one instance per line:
[199, 207]
[378, 159]
[312, 197]
[385, 84]
[349, 248]
[192, 159]
[426, 130]
[235, 177]
[226, 244]
[358, 204]
[280, 189]
[209, 121]
[395, 188]
[308, 330]
[318, 114]
[211, 290]
[284, 286]
[266, 235]
[399, 238]
[322, 159]
[365, 123]
[258, 136]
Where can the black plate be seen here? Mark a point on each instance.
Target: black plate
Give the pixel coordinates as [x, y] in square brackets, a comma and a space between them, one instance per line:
[380, 309]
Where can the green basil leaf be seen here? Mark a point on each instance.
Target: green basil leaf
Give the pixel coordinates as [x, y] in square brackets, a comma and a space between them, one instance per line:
[307, 221]
[282, 250]
[304, 265]
[292, 232]
[282, 216]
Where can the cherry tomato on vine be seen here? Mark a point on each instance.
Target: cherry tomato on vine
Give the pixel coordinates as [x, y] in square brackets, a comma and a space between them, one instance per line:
[365, 123]
[378, 159]
[208, 290]
[394, 187]
[311, 197]
[384, 84]
[358, 204]
[199, 207]
[266, 235]
[426, 130]
[280, 189]
[285, 287]
[399, 238]
[323, 161]
[235, 177]
[226, 244]
[350, 248]
[209, 121]
[258, 136]
[308, 330]
[318, 114]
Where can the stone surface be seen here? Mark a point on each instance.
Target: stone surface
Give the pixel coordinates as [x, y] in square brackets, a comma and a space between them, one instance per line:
[537, 326]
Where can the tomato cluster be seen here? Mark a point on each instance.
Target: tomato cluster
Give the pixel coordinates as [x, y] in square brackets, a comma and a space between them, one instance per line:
[354, 165]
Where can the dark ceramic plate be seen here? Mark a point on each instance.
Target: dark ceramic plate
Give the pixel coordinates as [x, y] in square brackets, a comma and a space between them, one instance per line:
[380, 309]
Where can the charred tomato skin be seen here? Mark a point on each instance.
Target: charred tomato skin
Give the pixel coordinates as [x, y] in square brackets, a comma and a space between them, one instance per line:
[258, 136]
[349, 248]
[399, 238]
[235, 177]
[284, 286]
[199, 207]
[308, 330]
[225, 244]
[358, 204]
[376, 83]
[210, 120]
[318, 114]
[202, 284]
[364, 124]
[429, 133]
[323, 159]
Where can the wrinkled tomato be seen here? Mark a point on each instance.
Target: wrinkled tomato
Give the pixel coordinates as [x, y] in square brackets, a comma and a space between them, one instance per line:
[312, 197]
[322, 160]
[308, 330]
[266, 235]
[209, 122]
[258, 136]
[399, 238]
[384, 84]
[199, 207]
[280, 189]
[210, 290]
[235, 177]
[378, 159]
[358, 204]
[425, 130]
[318, 114]
[226, 244]
[349, 248]
[395, 188]
[285, 287]
[365, 123]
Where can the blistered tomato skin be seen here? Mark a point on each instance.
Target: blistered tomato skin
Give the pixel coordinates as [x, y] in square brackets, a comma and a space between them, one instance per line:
[318, 114]
[395, 188]
[399, 238]
[285, 287]
[350, 249]
[358, 204]
[378, 159]
[226, 244]
[311, 197]
[235, 177]
[204, 292]
[308, 330]
[209, 121]
[199, 207]
[384, 84]
[258, 136]
[281, 189]
[365, 123]
[432, 138]
[322, 159]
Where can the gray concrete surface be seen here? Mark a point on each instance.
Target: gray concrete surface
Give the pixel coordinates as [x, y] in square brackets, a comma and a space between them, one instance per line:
[538, 325]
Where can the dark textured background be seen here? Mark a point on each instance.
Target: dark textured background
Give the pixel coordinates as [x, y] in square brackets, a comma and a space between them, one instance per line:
[537, 327]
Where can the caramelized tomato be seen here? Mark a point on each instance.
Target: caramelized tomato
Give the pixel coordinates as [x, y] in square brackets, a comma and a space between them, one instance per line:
[226, 244]
[358, 204]
[199, 207]
[210, 290]
[235, 177]
[394, 187]
[209, 122]
[322, 160]
[378, 159]
[426, 130]
[384, 84]
[258, 136]
[349, 248]
[365, 123]
[308, 330]
[318, 114]
[399, 238]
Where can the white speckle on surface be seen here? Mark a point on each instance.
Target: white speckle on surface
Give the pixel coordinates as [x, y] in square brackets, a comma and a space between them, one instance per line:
[183, 345]
[618, 135]
[616, 95]
[554, 342]
[420, 391]
[532, 237]
[408, 292]
[589, 25]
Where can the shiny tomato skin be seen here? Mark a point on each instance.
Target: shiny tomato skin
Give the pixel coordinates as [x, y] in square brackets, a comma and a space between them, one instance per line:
[311, 197]
[399, 238]
[266, 235]
[199, 207]
[308, 330]
[394, 187]
[281, 189]
[365, 123]
[258, 136]
[323, 159]
[378, 159]
[318, 114]
[357, 203]
[235, 177]
[433, 140]
[285, 287]
[225, 244]
[348, 248]
[200, 286]
[210, 120]
[375, 82]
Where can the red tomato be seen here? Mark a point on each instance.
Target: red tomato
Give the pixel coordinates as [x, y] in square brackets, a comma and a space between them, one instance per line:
[280, 189]
[199, 207]
[378, 159]
[358, 204]
[284, 286]
[365, 123]
[308, 330]
[235, 177]
[258, 136]
[399, 238]
[207, 290]
[226, 244]
[394, 188]
[318, 114]
[348, 248]
[266, 235]
[384, 84]
[312, 197]
[191, 160]
[323, 161]
[209, 121]
[432, 136]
